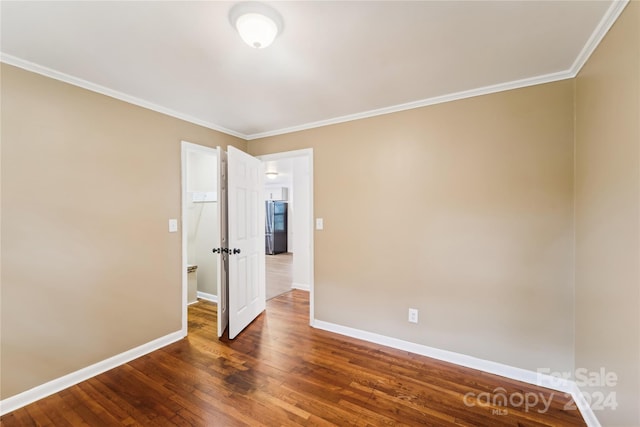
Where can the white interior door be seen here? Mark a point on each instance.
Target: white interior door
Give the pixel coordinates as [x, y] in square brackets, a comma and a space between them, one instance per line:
[222, 244]
[246, 240]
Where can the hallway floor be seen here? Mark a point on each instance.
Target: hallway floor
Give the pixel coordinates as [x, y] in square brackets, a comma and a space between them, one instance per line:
[279, 272]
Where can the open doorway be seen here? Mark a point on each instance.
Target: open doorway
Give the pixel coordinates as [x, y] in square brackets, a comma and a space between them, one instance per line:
[236, 249]
[279, 231]
[237, 210]
[290, 181]
[200, 223]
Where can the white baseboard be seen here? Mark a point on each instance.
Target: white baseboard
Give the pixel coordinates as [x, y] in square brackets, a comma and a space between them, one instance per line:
[519, 374]
[26, 397]
[584, 408]
[208, 297]
[301, 286]
[566, 386]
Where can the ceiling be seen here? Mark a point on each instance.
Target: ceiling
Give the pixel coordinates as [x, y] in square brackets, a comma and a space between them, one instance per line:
[334, 61]
[284, 168]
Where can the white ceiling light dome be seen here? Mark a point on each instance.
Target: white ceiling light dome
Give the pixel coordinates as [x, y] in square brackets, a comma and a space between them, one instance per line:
[257, 23]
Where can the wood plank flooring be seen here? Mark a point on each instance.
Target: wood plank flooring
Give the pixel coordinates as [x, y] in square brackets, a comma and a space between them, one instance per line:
[281, 372]
[279, 274]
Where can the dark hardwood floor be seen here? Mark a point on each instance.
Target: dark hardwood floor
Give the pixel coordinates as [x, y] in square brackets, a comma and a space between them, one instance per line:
[282, 372]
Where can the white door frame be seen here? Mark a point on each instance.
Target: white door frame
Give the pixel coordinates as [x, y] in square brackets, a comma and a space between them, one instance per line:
[308, 153]
[185, 148]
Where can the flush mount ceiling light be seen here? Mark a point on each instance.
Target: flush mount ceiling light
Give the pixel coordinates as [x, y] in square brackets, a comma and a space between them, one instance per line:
[272, 175]
[257, 23]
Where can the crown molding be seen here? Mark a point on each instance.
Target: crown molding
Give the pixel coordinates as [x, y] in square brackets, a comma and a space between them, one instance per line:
[75, 81]
[607, 21]
[598, 34]
[601, 30]
[547, 78]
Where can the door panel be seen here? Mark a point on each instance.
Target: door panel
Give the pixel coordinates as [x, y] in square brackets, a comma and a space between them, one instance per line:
[223, 258]
[246, 240]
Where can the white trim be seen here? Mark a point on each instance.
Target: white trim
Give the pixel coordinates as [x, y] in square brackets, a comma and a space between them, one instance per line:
[303, 152]
[519, 374]
[598, 34]
[547, 78]
[584, 408]
[601, 30]
[607, 21]
[184, 300]
[208, 297]
[605, 24]
[57, 75]
[63, 77]
[39, 392]
[450, 356]
[308, 153]
[190, 146]
[301, 286]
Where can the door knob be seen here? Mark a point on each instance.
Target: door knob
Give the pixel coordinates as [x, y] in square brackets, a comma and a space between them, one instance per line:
[226, 251]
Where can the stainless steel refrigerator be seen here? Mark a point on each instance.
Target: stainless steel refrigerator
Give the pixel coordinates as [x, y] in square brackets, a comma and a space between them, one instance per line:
[275, 227]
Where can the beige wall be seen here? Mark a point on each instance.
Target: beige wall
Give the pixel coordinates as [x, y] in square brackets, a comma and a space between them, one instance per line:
[462, 210]
[89, 269]
[608, 215]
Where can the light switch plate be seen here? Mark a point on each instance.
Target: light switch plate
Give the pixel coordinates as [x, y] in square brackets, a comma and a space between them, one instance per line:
[413, 315]
[173, 225]
[319, 224]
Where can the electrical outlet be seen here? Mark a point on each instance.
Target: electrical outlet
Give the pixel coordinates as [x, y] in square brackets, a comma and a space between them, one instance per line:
[413, 315]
